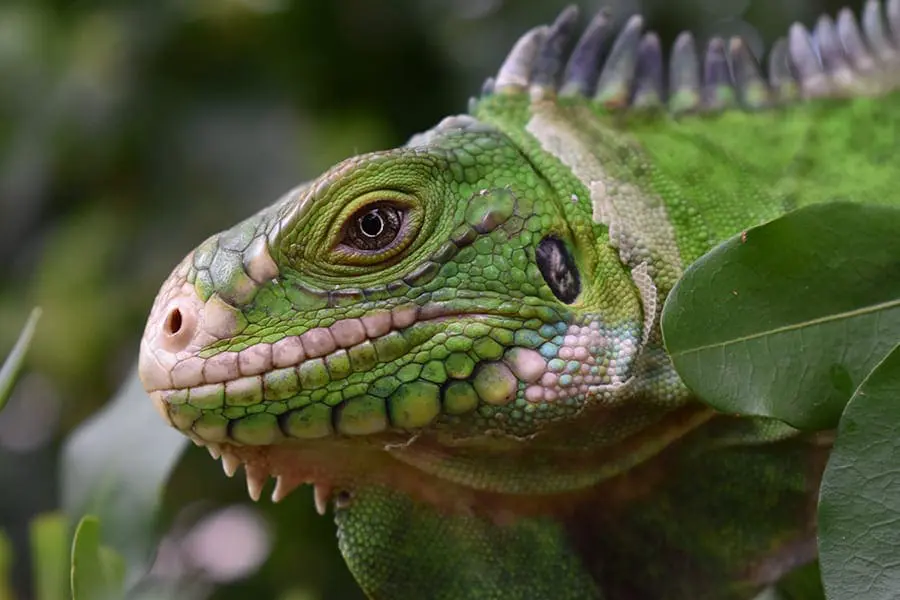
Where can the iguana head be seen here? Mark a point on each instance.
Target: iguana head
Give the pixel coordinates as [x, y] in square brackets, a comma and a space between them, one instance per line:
[428, 299]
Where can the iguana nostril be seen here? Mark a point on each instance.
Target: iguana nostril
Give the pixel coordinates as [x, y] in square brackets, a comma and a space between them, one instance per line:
[179, 324]
[173, 322]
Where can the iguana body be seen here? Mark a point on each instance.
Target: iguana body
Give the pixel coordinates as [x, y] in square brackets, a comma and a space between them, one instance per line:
[459, 339]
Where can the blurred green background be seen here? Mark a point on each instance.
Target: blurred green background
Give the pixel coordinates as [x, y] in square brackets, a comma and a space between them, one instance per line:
[129, 131]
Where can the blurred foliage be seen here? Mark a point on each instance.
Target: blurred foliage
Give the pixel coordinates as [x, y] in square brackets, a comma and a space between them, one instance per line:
[12, 365]
[129, 131]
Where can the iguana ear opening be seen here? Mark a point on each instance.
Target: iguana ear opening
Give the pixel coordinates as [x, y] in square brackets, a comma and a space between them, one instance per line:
[558, 268]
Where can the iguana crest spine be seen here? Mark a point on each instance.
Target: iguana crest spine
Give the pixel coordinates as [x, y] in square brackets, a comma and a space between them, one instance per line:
[627, 70]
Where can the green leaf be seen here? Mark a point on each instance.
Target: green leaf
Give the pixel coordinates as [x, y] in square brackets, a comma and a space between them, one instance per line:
[50, 556]
[6, 563]
[11, 368]
[786, 320]
[115, 465]
[859, 501]
[804, 583]
[98, 573]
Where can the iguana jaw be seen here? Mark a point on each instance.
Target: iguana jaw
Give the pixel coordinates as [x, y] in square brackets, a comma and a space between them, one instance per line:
[424, 464]
[337, 467]
[323, 452]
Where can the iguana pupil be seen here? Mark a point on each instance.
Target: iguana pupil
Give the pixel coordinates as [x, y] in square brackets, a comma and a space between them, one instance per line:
[375, 228]
[372, 224]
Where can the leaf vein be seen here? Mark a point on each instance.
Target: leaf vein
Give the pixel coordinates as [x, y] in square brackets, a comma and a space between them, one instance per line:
[875, 308]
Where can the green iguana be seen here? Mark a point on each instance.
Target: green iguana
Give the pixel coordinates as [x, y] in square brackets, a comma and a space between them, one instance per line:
[458, 340]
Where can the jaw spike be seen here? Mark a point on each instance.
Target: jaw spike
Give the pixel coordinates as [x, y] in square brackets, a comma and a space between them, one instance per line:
[283, 487]
[321, 494]
[230, 463]
[748, 79]
[515, 72]
[582, 68]
[717, 92]
[256, 479]
[549, 60]
[684, 75]
[214, 452]
[648, 84]
[614, 88]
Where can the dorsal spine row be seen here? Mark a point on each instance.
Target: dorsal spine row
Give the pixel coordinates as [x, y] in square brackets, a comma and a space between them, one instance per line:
[626, 69]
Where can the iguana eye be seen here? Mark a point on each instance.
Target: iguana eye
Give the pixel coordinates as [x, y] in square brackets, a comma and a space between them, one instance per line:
[374, 227]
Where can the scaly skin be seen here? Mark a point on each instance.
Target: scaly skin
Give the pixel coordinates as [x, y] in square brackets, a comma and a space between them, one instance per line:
[460, 339]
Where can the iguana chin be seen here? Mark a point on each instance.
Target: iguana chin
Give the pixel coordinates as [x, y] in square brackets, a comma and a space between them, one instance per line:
[459, 340]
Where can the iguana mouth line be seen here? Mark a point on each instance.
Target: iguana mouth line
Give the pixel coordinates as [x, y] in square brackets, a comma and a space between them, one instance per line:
[234, 369]
[488, 359]
[195, 356]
